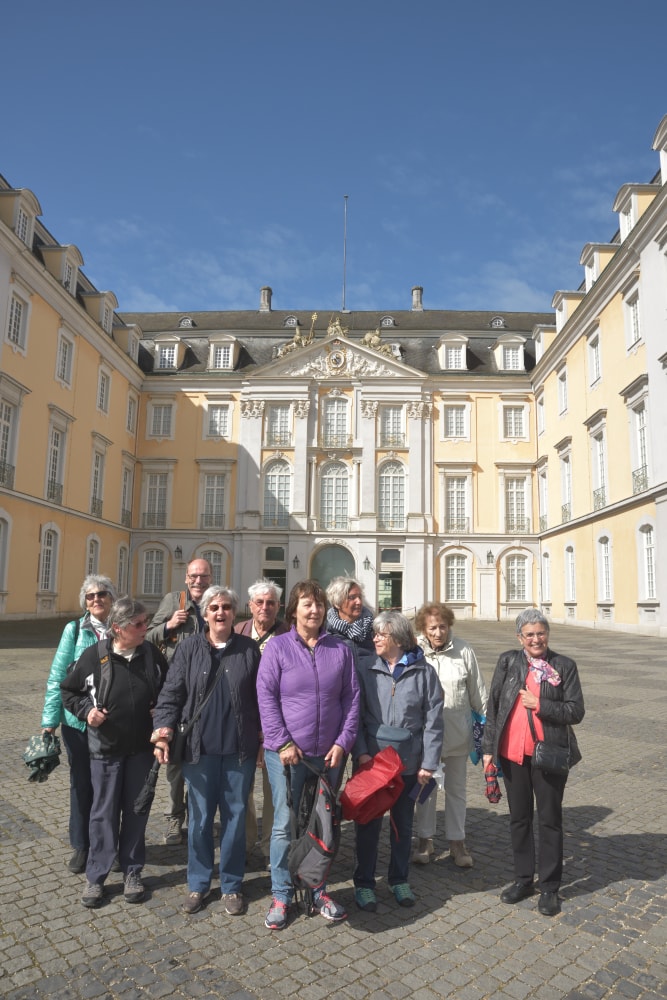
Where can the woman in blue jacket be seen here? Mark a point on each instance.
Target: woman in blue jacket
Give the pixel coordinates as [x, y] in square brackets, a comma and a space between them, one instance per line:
[96, 597]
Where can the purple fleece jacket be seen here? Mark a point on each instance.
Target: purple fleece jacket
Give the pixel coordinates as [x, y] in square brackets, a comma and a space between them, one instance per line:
[308, 696]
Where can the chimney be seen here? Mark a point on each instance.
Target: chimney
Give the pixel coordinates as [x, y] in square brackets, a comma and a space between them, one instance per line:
[417, 293]
[265, 299]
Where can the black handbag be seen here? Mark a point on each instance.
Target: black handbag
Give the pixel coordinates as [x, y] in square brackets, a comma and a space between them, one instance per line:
[550, 757]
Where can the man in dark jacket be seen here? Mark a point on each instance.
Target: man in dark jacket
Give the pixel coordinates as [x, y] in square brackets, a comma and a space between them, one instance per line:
[176, 618]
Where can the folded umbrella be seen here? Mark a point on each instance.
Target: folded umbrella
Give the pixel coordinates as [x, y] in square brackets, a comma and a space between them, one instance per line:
[42, 755]
[491, 774]
[144, 799]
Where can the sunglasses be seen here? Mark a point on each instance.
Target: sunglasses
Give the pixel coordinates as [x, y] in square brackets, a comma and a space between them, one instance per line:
[219, 607]
[96, 594]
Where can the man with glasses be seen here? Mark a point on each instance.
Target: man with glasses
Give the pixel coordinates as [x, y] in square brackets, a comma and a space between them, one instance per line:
[178, 617]
[263, 602]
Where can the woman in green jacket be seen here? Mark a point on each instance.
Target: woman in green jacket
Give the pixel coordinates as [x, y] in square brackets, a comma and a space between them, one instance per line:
[96, 597]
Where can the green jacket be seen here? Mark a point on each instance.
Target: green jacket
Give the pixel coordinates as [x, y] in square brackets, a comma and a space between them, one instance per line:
[70, 648]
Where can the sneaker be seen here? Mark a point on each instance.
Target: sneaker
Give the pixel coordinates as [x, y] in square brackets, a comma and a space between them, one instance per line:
[233, 903]
[276, 918]
[329, 908]
[423, 851]
[115, 865]
[194, 901]
[133, 890]
[77, 863]
[366, 900]
[458, 852]
[174, 832]
[92, 895]
[403, 894]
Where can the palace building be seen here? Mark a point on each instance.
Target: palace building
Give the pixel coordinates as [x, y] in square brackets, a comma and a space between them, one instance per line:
[493, 460]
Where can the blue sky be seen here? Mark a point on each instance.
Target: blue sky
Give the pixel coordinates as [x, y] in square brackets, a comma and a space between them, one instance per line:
[197, 151]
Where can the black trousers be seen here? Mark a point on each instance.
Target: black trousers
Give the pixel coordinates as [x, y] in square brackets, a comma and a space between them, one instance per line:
[527, 786]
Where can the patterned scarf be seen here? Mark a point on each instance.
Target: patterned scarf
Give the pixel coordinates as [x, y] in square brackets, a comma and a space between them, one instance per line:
[543, 671]
[357, 630]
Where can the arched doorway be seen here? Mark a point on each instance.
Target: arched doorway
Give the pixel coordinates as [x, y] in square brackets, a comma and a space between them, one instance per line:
[331, 561]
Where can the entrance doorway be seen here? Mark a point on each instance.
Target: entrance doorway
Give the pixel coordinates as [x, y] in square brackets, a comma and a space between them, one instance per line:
[331, 561]
[390, 590]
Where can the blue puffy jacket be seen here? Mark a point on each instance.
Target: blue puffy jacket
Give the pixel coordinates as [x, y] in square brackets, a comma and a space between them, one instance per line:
[76, 637]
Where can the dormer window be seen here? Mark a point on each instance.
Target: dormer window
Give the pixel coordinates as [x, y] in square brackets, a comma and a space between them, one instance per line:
[18, 210]
[631, 201]
[291, 321]
[223, 353]
[167, 356]
[63, 262]
[387, 321]
[452, 352]
[186, 323]
[508, 353]
[169, 352]
[222, 356]
[512, 358]
[100, 306]
[498, 323]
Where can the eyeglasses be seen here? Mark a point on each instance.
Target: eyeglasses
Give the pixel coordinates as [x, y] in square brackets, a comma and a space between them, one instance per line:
[261, 601]
[219, 607]
[96, 594]
[381, 635]
[533, 635]
[142, 624]
[199, 576]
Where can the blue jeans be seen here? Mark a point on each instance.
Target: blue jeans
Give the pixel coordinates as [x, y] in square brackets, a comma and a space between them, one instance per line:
[281, 834]
[400, 841]
[217, 782]
[80, 785]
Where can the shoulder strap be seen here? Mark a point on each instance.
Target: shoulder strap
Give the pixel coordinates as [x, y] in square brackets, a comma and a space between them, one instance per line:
[188, 726]
[105, 672]
[181, 601]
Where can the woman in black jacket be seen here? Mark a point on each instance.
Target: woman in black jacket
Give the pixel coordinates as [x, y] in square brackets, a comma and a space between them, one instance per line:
[113, 688]
[545, 685]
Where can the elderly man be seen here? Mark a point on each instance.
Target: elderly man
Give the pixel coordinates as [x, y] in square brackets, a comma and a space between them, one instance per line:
[263, 601]
[178, 617]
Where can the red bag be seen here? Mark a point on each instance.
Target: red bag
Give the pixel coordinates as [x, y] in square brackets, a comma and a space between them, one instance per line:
[374, 787]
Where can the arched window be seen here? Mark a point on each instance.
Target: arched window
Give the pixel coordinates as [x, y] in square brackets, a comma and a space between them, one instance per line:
[153, 575]
[391, 497]
[122, 580]
[93, 557]
[48, 562]
[215, 559]
[516, 578]
[648, 560]
[333, 497]
[456, 588]
[277, 483]
[570, 575]
[604, 569]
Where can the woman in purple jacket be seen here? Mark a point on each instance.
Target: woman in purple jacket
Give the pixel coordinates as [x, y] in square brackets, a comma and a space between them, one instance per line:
[309, 706]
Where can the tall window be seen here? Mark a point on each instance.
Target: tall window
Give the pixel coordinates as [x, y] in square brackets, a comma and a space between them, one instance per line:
[48, 560]
[604, 569]
[513, 421]
[570, 575]
[562, 391]
[7, 443]
[277, 483]
[126, 485]
[566, 487]
[456, 500]
[546, 577]
[334, 423]
[155, 515]
[16, 328]
[167, 356]
[278, 431]
[515, 504]
[103, 387]
[599, 471]
[154, 571]
[391, 427]
[64, 361]
[594, 360]
[455, 421]
[541, 417]
[122, 572]
[333, 497]
[648, 553]
[640, 473]
[97, 484]
[22, 225]
[218, 421]
[56, 459]
[93, 560]
[633, 324]
[391, 497]
[161, 420]
[516, 578]
[215, 559]
[4, 551]
[455, 578]
[131, 422]
[543, 497]
[213, 515]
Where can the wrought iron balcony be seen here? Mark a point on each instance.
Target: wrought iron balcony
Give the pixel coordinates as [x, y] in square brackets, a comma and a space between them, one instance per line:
[212, 521]
[54, 491]
[565, 512]
[543, 522]
[388, 440]
[278, 439]
[599, 498]
[126, 518]
[334, 524]
[96, 507]
[521, 524]
[460, 524]
[332, 440]
[154, 519]
[7, 475]
[640, 479]
[391, 524]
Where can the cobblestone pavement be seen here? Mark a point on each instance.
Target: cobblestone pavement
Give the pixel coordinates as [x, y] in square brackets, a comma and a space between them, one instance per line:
[459, 941]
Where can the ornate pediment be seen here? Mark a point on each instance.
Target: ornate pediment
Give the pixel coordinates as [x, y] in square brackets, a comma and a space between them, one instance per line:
[337, 358]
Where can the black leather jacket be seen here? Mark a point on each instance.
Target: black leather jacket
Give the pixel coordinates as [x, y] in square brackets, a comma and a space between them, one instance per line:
[560, 707]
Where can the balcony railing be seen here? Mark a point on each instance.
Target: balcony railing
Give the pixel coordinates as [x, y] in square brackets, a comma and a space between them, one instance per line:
[7, 475]
[521, 524]
[334, 524]
[388, 440]
[391, 524]
[154, 519]
[543, 522]
[212, 521]
[54, 491]
[126, 518]
[461, 524]
[640, 479]
[96, 507]
[599, 498]
[331, 440]
[565, 512]
[278, 439]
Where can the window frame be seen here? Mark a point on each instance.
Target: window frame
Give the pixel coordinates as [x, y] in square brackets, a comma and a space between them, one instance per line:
[391, 496]
[65, 347]
[21, 300]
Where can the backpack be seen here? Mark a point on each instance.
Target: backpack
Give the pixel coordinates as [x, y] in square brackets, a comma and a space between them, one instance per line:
[315, 834]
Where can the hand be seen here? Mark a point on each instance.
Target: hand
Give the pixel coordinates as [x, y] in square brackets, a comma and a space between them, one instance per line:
[335, 756]
[96, 717]
[161, 751]
[424, 776]
[177, 619]
[48, 730]
[290, 755]
[528, 699]
[487, 759]
[260, 756]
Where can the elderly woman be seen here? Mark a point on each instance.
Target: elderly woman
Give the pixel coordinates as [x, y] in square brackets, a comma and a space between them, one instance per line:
[401, 706]
[349, 618]
[540, 682]
[96, 597]
[212, 684]
[309, 705]
[114, 691]
[465, 692]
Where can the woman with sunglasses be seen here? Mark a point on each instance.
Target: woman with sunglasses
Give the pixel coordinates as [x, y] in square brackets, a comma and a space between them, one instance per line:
[113, 688]
[96, 597]
[212, 684]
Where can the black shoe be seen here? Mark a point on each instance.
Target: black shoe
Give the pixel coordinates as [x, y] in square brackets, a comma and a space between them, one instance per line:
[517, 891]
[548, 904]
[77, 863]
[115, 865]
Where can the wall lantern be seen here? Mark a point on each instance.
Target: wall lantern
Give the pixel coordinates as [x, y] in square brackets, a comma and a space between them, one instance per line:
[489, 558]
[367, 564]
[178, 552]
[295, 562]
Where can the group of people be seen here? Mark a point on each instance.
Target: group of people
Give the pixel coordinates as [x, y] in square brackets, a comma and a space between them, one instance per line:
[213, 701]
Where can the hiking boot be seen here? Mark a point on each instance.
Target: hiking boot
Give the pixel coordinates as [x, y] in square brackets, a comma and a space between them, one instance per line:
[174, 832]
[194, 901]
[233, 903]
[92, 895]
[328, 908]
[276, 918]
[77, 863]
[115, 865]
[458, 852]
[133, 890]
[366, 900]
[403, 894]
[423, 851]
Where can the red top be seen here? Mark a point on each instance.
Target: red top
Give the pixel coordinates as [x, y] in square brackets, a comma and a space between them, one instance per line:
[516, 741]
